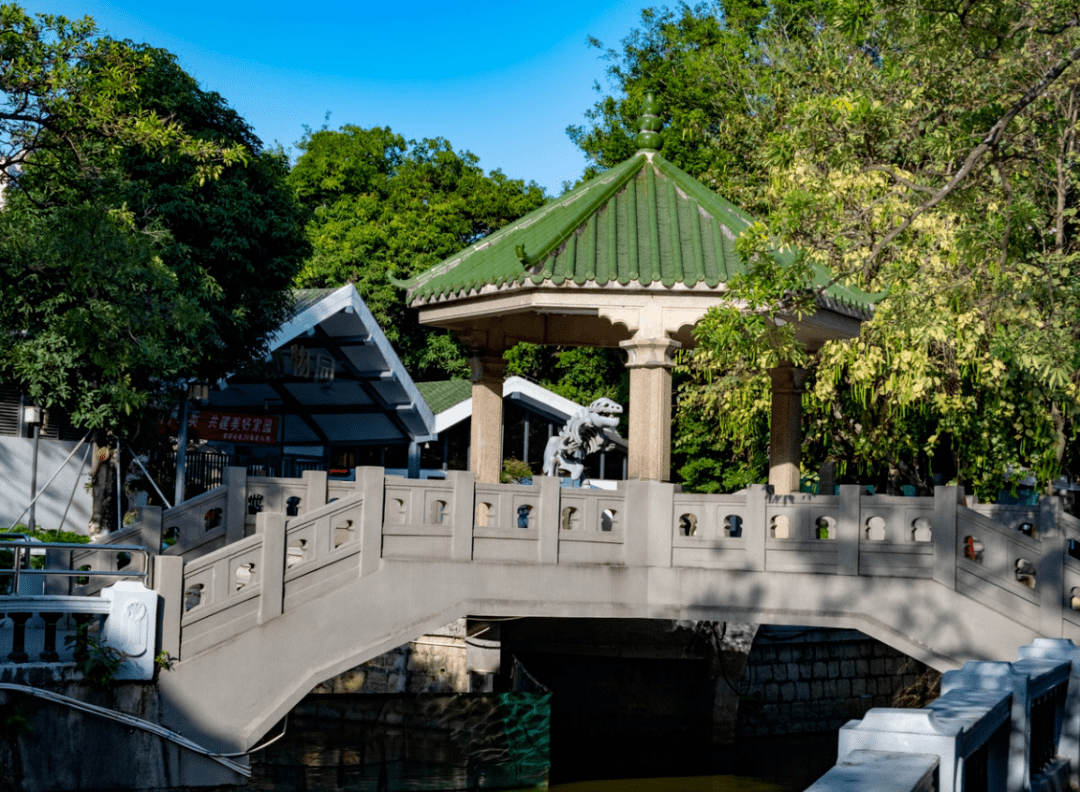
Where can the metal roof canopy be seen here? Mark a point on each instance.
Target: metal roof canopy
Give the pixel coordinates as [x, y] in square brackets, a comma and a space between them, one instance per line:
[370, 397]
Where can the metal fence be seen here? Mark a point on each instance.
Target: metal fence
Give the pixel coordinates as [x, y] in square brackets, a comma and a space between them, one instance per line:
[207, 470]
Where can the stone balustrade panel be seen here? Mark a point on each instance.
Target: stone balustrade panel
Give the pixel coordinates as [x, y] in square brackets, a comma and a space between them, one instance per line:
[995, 726]
[197, 525]
[34, 639]
[1011, 516]
[418, 518]
[711, 531]
[896, 536]
[1071, 593]
[336, 489]
[322, 547]
[505, 522]
[140, 534]
[221, 594]
[954, 729]
[590, 526]
[42, 628]
[996, 564]
[798, 529]
[273, 495]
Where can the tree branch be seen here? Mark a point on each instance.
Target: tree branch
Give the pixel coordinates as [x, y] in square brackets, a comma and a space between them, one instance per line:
[989, 141]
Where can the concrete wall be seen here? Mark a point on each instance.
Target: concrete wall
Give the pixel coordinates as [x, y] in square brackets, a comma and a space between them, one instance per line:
[16, 457]
[60, 749]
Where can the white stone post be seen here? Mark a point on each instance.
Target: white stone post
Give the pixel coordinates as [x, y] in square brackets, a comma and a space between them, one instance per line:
[235, 503]
[131, 628]
[1051, 569]
[462, 515]
[371, 481]
[315, 482]
[546, 516]
[943, 534]
[271, 527]
[849, 529]
[168, 578]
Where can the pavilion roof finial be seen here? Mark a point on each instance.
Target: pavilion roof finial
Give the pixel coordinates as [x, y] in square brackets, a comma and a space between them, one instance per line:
[650, 124]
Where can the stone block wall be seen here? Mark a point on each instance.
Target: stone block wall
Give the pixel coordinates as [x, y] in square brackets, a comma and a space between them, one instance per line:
[432, 664]
[800, 680]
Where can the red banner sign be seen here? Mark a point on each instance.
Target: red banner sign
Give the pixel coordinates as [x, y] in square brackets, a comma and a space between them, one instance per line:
[232, 427]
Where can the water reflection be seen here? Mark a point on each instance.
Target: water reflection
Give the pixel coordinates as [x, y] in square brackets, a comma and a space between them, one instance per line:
[499, 741]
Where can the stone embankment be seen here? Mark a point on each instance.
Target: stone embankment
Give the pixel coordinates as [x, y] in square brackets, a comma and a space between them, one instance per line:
[800, 680]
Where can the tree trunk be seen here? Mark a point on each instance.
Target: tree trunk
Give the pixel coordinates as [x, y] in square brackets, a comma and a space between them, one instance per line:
[103, 517]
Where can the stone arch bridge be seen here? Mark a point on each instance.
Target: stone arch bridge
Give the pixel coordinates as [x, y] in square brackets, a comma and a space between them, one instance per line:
[273, 585]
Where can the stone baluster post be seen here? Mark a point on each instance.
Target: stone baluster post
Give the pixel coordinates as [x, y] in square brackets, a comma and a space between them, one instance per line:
[546, 515]
[271, 526]
[235, 503]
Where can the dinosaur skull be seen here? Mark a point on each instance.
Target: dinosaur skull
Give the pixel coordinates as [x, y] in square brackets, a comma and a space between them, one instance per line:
[606, 406]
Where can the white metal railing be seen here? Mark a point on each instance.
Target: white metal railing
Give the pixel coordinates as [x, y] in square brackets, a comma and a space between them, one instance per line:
[35, 626]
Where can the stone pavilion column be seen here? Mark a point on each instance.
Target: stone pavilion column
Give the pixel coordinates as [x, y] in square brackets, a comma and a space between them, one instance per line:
[485, 446]
[785, 437]
[650, 365]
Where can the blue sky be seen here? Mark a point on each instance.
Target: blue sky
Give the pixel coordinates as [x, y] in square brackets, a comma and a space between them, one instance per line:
[501, 79]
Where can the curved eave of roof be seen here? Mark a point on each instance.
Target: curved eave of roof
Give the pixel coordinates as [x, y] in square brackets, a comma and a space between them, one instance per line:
[839, 305]
[645, 224]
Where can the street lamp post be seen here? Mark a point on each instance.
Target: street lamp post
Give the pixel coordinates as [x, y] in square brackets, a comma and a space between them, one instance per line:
[198, 392]
[32, 415]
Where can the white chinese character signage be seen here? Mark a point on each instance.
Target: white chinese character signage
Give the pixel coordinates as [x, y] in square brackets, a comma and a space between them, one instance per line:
[213, 425]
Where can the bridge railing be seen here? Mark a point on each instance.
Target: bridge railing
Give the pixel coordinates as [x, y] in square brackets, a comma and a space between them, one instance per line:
[996, 726]
[1013, 559]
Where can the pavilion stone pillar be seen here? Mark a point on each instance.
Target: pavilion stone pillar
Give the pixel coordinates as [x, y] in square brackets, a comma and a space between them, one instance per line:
[649, 444]
[485, 446]
[785, 438]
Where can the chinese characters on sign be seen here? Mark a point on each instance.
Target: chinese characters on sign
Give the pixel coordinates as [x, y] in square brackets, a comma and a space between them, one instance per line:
[212, 425]
[299, 362]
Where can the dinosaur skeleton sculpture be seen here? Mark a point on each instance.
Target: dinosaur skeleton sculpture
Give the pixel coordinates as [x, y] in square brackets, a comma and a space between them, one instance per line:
[589, 430]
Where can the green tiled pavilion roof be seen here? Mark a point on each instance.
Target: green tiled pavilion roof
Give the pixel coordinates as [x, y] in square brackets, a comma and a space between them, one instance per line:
[443, 394]
[645, 222]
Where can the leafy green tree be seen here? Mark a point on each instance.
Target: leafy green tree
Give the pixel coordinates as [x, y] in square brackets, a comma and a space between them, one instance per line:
[925, 151]
[384, 208]
[146, 238]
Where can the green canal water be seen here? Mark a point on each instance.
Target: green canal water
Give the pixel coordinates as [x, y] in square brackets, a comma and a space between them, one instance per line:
[502, 741]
